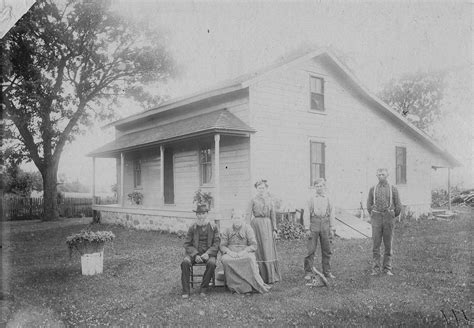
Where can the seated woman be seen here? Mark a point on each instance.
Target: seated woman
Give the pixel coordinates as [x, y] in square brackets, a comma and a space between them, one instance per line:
[238, 246]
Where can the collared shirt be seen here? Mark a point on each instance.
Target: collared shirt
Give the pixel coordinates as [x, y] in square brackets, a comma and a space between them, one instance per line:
[382, 198]
[262, 206]
[320, 209]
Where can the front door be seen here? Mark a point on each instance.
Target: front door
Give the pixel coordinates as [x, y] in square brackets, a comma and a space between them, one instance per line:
[168, 176]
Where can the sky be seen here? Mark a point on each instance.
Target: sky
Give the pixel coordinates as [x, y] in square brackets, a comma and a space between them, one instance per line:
[379, 40]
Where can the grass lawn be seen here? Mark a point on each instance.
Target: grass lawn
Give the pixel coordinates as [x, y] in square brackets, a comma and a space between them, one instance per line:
[141, 283]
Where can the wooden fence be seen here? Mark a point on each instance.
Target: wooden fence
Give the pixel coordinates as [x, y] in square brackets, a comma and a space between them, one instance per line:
[23, 208]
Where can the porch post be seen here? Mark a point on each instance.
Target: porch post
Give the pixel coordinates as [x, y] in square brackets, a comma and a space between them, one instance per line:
[217, 184]
[122, 170]
[162, 174]
[93, 180]
[449, 188]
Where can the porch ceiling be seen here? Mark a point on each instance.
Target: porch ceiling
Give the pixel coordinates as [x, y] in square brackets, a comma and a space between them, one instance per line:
[220, 121]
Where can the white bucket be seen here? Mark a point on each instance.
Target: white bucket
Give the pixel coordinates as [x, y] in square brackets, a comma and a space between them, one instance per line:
[92, 263]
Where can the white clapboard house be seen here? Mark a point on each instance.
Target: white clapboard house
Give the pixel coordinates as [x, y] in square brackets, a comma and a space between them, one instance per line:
[305, 118]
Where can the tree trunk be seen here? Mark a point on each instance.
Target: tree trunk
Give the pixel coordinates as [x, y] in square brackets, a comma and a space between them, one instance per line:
[50, 198]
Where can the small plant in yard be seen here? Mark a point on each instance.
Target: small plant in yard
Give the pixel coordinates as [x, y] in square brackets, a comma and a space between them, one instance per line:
[136, 197]
[87, 241]
[201, 197]
[290, 230]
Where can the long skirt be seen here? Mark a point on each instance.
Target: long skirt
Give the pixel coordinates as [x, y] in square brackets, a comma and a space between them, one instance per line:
[241, 274]
[266, 253]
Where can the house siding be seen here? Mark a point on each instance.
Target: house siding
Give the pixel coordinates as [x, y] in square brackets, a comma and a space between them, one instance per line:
[358, 138]
[234, 174]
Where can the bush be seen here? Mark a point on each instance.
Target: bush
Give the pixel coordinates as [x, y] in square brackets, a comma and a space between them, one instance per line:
[289, 230]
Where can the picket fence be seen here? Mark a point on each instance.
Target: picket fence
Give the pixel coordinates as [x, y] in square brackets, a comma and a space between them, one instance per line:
[27, 208]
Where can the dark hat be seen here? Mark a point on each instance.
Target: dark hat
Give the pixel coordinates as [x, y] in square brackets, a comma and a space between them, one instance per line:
[201, 208]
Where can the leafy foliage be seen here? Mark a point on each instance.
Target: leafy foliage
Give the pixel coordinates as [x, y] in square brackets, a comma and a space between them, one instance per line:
[289, 230]
[21, 183]
[88, 241]
[201, 197]
[64, 65]
[136, 197]
[416, 96]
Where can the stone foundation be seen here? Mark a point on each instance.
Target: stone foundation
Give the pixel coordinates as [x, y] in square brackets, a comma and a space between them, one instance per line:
[175, 221]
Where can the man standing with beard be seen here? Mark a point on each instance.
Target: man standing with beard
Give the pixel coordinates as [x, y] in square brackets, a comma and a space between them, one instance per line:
[383, 205]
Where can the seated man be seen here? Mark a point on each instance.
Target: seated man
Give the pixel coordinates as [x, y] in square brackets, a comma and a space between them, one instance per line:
[238, 246]
[201, 245]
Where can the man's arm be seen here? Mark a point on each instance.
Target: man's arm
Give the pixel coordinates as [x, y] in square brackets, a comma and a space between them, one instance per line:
[370, 200]
[224, 243]
[216, 240]
[332, 215]
[396, 201]
[188, 243]
[306, 215]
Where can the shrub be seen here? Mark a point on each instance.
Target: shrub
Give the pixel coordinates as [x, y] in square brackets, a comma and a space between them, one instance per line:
[290, 230]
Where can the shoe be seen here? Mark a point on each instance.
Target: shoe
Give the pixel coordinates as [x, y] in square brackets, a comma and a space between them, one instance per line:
[184, 296]
[330, 275]
[307, 277]
[374, 272]
[388, 273]
[202, 291]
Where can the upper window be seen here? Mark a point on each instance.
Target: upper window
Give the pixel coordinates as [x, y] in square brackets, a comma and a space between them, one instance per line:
[318, 167]
[205, 164]
[401, 164]
[137, 173]
[317, 93]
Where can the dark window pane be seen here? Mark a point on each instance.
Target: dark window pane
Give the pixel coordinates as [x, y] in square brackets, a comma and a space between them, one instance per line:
[317, 101]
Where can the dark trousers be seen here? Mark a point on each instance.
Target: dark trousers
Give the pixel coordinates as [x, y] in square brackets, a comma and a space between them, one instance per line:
[312, 244]
[382, 230]
[186, 272]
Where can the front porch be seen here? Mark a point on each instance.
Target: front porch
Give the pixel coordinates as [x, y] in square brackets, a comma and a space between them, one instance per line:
[167, 164]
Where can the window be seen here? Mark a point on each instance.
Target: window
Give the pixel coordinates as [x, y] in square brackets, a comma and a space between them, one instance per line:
[137, 173]
[401, 164]
[205, 164]
[317, 93]
[318, 167]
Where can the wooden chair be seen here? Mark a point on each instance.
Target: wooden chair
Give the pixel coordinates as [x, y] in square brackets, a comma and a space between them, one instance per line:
[196, 277]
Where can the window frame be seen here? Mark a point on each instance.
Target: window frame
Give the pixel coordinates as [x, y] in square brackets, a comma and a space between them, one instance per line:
[401, 177]
[137, 173]
[208, 163]
[321, 164]
[322, 94]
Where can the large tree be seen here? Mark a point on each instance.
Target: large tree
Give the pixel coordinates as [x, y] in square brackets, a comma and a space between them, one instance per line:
[416, 96]
[66, 64]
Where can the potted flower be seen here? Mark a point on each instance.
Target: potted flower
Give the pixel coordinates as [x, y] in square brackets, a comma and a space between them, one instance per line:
[136, 198]
[90, 245]
[201, 197]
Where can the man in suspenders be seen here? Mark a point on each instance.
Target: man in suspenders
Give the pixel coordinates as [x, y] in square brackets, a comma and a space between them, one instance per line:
[321, 227]
[383, 205]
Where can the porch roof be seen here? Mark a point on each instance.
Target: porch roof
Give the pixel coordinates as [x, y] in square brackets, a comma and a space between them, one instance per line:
[220, 121]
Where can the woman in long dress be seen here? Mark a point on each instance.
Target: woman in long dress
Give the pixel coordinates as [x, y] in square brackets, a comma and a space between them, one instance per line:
[263, 223]
[238, 246]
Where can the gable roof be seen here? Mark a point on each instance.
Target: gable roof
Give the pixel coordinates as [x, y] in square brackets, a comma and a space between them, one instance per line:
[220, 121]
[246, 80]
